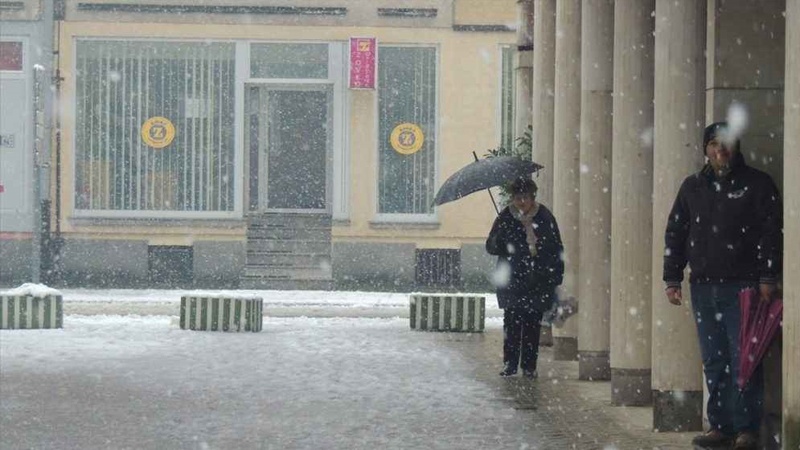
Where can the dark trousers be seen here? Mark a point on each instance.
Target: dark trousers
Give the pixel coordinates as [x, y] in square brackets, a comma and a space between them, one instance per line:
[717, 315]
[521, 328]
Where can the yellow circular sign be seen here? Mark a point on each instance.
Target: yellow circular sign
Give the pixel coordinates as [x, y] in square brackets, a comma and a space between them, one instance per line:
[407, 138]
[158, 132]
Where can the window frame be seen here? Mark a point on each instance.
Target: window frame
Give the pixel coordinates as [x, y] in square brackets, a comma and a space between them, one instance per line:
[512, 94]
[408, 218]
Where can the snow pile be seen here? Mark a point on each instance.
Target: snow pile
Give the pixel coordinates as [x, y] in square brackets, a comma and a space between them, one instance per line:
[32, 289]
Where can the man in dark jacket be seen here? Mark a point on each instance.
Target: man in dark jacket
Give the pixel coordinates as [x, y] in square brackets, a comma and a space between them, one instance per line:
[726, 223]
[527, 242]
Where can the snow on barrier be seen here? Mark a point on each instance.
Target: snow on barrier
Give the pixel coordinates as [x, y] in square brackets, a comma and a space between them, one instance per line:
[31, 306]
[442, 312]
[221, 313]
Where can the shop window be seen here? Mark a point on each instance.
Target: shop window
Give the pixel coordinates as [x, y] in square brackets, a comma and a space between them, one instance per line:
[407, 90]
[507, 89]
[155, 126]
[11, 56]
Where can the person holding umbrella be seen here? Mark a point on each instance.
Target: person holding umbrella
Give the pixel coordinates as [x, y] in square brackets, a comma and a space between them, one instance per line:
[726, 223]
[526, 240]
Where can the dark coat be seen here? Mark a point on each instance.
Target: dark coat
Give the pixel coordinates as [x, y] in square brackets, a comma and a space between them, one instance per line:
[533, 278]
[728, 230]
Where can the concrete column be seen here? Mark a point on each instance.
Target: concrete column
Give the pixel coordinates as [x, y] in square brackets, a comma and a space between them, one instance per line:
[594, 285]
[544, 36]
[564, 339]
[791, 230]
[566, 164]
[678, 116]
[523, 67]
[631, 204]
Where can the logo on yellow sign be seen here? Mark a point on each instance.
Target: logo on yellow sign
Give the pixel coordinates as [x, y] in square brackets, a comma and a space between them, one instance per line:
[158, 132]
[407, 138]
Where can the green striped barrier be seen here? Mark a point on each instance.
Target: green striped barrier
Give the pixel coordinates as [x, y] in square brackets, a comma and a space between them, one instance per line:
[26, 312]
[214, 313]
[442, 312]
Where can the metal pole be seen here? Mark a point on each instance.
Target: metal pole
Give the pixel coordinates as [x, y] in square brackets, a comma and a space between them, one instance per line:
[475, 155]
[38, 126]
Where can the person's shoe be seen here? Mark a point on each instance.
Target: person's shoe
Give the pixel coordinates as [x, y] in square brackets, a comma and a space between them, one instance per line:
[530, 374]
[508, 371]
[712, 439]
[745, 441]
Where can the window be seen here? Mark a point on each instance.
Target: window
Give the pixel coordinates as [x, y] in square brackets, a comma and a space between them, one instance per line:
[507, 88]
[289, 61]
[122, 87]
[406, 95]
[11, 56]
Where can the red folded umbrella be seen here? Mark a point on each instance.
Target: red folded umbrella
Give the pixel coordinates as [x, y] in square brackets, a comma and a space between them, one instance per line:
[760, 322]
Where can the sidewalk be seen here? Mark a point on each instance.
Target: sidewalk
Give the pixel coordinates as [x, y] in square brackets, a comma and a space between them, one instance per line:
[567, 413]
[554, 412]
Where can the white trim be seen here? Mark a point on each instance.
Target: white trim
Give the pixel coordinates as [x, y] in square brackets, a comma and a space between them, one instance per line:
[151, 214]
[241, 72]
[337, 69]
[405, 218]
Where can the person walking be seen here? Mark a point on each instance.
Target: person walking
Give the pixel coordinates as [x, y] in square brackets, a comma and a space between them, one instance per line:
[726, 224]
[527, 243]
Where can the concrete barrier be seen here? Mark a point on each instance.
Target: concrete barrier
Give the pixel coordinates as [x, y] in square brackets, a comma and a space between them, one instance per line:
[26, 310]
[443, 312]
[221, 313]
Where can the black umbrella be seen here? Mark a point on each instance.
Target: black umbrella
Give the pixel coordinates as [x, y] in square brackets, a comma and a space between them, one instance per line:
[483, 174]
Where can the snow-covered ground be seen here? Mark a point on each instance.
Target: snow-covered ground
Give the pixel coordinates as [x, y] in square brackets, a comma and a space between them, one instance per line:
[276, 303]
[141, 382]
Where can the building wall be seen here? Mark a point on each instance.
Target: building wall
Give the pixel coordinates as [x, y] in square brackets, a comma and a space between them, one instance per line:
[26, 22]
[469, 58]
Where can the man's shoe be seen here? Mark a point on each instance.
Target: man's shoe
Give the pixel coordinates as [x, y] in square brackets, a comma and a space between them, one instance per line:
[531, 374]
[712, 439]
[745, 441]
[508, 371]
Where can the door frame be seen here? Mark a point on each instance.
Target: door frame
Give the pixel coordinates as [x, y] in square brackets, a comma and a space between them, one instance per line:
[325, 86]
[339, 173]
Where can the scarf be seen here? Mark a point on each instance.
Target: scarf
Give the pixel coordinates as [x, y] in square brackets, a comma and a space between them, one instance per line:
[527, 224]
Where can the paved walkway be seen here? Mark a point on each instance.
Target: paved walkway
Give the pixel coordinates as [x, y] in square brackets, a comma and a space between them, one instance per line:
[566, 413]
[554, 412]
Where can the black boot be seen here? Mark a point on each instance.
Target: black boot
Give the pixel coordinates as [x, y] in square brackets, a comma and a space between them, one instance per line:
[508, 371]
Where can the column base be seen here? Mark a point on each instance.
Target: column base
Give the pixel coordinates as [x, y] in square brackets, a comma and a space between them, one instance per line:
[565, 348]
[593, 366]
[677, 410]
[631, 387]
[546, 336]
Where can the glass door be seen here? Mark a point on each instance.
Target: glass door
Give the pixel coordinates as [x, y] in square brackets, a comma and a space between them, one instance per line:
[290, 128]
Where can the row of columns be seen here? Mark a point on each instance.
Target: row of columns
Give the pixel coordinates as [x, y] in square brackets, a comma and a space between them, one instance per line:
[595, 98]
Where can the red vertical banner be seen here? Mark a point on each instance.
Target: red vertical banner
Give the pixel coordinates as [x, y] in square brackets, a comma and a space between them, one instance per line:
[363, 62]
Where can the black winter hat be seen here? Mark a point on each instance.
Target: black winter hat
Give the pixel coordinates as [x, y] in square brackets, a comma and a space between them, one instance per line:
[712, 131]
[715, 130]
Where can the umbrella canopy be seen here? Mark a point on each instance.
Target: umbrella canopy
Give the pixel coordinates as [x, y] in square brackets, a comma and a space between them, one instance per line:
[483, 174]
[759, 324]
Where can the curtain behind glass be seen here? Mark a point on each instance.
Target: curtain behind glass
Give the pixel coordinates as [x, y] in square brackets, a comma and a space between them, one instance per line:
[122, 84]
[407, 93]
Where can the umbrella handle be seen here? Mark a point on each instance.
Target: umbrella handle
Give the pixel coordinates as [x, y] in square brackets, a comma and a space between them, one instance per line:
[496, 210]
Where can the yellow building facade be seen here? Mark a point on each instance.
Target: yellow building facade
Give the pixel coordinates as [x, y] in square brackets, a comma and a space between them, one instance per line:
[219, 143]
